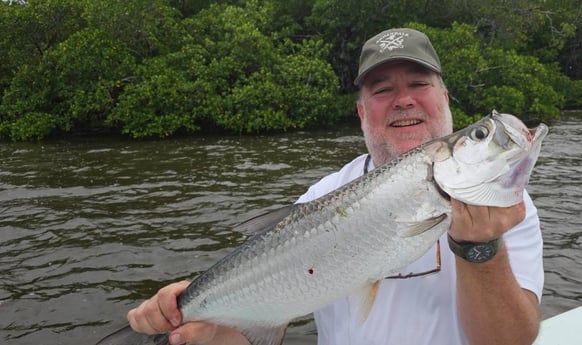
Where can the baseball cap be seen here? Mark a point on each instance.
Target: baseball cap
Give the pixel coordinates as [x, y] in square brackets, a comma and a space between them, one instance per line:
[397, 44]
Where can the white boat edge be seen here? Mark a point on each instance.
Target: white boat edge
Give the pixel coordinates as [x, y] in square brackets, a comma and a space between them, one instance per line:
[562, 329]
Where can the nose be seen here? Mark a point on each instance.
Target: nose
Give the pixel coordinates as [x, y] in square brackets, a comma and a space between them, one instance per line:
[403, 100]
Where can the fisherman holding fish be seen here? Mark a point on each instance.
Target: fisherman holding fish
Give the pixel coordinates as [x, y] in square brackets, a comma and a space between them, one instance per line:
[489, 285]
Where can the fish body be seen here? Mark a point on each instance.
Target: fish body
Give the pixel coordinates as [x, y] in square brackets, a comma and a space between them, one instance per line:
[309, 255]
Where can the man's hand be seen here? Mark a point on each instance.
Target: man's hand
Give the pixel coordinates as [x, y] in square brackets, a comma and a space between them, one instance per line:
[483, 223]
[160, 314]
[492, 307]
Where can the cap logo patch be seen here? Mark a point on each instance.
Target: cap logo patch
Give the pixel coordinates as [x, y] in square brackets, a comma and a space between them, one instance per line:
[392, 40]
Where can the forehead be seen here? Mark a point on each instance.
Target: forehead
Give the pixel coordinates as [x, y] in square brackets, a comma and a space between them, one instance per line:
[388, 70]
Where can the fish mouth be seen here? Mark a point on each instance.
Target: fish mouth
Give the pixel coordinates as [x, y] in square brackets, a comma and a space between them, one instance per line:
[526, 138]
[441, 191]
[538, 133]
[531, 139]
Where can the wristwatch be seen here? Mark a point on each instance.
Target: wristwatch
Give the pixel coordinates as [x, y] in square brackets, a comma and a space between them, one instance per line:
[475, 252]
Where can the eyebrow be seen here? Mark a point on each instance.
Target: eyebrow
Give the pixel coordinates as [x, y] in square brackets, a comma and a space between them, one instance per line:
[414, 68]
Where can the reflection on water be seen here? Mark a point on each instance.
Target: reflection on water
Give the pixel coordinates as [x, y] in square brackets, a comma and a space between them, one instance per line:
[90, 227]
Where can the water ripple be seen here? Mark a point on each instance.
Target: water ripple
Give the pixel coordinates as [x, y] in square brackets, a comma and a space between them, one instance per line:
[89, 227]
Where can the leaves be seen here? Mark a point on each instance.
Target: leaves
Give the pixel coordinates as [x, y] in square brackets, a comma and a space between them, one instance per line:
[215, 82]
[481, 77]
[154, 68]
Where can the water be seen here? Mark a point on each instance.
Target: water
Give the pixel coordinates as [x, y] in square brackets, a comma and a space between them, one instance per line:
[90, 227]
[556, 188]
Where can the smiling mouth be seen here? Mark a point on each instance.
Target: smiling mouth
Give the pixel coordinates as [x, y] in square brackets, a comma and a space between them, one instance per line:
[405, 123]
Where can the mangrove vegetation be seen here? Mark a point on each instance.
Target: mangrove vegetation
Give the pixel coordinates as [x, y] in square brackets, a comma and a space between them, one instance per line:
[157, 68]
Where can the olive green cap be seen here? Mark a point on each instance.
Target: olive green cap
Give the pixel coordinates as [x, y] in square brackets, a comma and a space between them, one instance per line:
[397, 44]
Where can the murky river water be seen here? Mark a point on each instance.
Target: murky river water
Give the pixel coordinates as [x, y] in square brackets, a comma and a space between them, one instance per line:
[91, 227]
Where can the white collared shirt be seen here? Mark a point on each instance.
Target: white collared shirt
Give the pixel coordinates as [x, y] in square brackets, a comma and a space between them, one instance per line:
[420, 310]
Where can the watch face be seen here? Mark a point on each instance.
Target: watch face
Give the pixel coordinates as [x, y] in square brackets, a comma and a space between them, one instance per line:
[480, 253]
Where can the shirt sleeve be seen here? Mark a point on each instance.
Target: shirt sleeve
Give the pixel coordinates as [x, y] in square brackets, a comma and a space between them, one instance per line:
[525, 248]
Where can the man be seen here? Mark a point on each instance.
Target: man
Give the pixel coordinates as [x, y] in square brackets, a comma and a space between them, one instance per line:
[404, 103]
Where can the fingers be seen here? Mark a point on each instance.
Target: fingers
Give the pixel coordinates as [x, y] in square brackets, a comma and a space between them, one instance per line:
[147, 319]
[483, 223]
[160, 313]
[168, 302]
[201, 333]
[193, 333]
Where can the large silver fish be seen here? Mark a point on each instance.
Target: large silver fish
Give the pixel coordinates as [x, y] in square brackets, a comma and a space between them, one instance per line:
[308, 255]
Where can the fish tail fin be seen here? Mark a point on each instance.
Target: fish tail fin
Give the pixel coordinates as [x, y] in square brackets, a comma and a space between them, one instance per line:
[265, 335]
[127, 336]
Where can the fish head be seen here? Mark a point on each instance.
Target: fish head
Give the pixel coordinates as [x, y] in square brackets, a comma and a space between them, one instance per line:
[489, 162]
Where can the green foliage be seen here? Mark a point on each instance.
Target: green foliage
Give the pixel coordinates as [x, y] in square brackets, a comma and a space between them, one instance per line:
[40, 25]
[160, 101]
[73, 87]
[536, 27]
[155, 68]
[28, 32]
[520, 84]
[539, 28]
[297, 91]
[148, 27]
[191, 7]
[29, 126]
[346, 24]
[481, 78]
[572, 91]
[215, 82]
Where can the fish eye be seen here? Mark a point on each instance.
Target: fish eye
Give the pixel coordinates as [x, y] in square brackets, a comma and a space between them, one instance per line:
[480, 133]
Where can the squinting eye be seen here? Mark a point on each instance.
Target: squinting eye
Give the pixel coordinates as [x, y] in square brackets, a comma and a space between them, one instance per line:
[480, 133]
[420, 84]
[382, 90]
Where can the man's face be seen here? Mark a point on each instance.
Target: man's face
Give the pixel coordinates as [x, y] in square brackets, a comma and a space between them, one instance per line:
[401, 106]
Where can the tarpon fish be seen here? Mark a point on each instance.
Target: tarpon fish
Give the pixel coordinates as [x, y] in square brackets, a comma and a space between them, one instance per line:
[306, 256]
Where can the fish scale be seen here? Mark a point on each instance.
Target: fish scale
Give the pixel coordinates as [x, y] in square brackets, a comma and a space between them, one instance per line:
[332, 257]
[306, 256]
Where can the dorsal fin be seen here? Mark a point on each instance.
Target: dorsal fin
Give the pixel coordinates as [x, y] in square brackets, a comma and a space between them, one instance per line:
[263, 222]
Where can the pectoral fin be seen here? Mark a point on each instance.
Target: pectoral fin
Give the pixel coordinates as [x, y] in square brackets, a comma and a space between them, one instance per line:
[365, 299]
[265, 335]
[417, 228]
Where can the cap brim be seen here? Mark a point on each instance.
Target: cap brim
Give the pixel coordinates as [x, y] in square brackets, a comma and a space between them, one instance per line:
[360, 78]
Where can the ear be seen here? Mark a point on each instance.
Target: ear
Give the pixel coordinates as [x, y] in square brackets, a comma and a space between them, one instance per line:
[361, 110]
